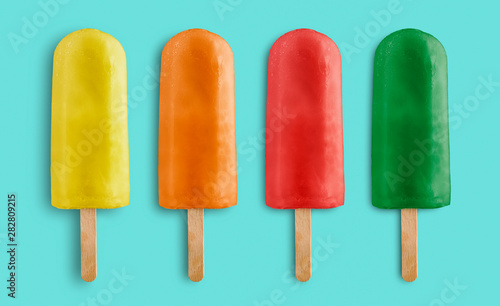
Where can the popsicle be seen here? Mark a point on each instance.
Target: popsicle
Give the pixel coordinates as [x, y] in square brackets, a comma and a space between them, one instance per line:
[197, 137]
[89, 141]
[304, 151]
[410, 148]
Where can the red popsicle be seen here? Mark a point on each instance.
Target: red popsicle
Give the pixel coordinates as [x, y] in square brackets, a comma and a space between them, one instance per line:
[304, 151]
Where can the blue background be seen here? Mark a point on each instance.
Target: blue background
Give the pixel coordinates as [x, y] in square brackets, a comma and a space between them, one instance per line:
[249, 249]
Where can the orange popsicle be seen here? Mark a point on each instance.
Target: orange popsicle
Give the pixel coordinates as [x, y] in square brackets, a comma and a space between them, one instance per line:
[197, 138]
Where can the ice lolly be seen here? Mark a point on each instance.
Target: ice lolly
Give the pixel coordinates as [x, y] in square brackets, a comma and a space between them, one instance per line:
[304, 151]
[197, 137]
[410, 148]
[89, 141]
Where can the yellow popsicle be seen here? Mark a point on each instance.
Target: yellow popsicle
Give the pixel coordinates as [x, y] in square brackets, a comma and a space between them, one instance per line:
[89, 143]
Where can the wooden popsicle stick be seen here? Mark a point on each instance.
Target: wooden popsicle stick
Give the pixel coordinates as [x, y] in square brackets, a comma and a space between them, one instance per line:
[409, 253]
[88, 243]
[196, 244]
[303, 244]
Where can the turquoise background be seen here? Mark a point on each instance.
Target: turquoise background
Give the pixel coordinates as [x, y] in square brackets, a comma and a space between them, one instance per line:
[249, 249]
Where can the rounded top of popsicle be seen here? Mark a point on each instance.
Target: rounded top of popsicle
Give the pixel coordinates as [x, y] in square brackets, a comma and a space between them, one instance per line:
[197, 39]
[89, 37]
[304, 155]
[306, 37]
[197, 115]
[89, 93]
[410, 142]
[410, 39]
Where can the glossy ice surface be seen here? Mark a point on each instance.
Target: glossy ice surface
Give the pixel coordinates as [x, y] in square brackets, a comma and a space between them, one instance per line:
[197, 137]
[304, 149]
[89, 142]
[410, 149]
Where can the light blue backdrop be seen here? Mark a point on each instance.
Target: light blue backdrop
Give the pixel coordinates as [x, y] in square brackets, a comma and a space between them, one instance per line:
[250, 248]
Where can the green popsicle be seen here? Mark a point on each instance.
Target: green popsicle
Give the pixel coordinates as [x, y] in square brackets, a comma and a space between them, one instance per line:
[410, 146]
[410, 149]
